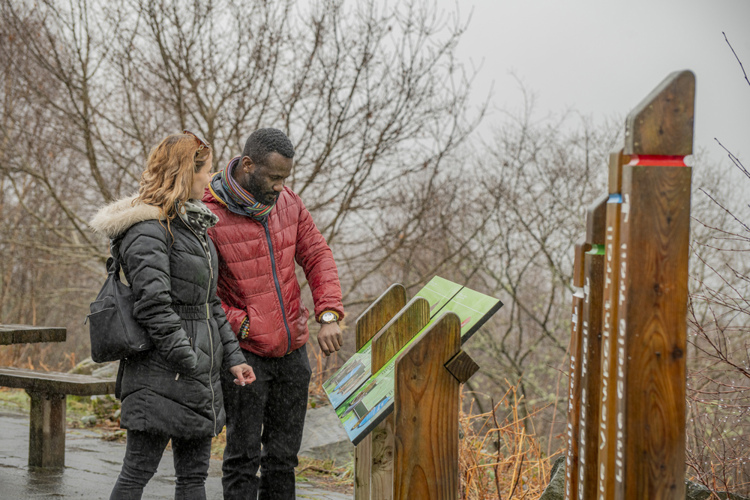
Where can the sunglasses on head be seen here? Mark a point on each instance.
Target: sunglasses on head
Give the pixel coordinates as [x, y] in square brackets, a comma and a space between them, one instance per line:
[201, 143]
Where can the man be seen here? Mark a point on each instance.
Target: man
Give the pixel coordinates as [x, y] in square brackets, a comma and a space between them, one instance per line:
[263, 229]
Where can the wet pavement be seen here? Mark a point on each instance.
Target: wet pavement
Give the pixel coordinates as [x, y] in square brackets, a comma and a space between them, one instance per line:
[91, 468]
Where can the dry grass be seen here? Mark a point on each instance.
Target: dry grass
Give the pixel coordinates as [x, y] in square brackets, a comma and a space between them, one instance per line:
[498, 457]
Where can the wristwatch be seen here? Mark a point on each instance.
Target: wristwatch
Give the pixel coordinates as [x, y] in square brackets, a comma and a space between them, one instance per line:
[328, 317]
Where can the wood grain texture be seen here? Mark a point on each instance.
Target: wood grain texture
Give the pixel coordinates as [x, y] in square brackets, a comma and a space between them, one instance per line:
[574, 401]
[362, 468]
[383, 451]
[399, 331]
[426, 415]
[596, 216]
[662, 124]
[607, 396]
[614, 179]
[581, 247]
[462, 366]
[24, 334]
[385, 345]
[47, 430]
[654, 316]
[574, 376]
[591, 333]
[55, 383]
[379, 313]
[369, 323]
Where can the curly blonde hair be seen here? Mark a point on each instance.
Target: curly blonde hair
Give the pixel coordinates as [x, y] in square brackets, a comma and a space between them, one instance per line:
[169, 173]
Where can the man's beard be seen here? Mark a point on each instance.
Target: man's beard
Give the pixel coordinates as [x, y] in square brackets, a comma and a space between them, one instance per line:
[254, 187]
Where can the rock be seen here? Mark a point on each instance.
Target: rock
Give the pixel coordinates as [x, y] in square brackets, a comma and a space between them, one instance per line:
[86, 366]
[693, 491]
[107, 370]
[89, 420]
[100, 370]
[555, 490]
[696, 491]
[324, 437]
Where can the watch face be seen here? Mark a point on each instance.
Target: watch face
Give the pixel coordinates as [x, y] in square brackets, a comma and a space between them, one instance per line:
[328, 317]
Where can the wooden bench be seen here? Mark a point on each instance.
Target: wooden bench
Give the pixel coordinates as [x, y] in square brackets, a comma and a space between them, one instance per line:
[25, 334]
[48, 392]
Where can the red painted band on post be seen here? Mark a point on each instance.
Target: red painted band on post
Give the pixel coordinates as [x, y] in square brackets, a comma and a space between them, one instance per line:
[658, 160]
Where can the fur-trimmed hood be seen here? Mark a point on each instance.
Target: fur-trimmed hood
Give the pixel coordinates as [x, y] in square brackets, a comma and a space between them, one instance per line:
[114, 219]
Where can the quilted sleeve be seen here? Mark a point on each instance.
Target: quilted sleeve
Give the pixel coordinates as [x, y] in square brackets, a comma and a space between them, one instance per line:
[316, 259]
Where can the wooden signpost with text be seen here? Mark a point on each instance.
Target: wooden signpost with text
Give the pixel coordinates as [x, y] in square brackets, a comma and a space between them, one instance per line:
[626, 411]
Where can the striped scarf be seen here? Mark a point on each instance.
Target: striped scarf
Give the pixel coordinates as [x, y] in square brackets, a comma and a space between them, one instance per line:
[244, 199]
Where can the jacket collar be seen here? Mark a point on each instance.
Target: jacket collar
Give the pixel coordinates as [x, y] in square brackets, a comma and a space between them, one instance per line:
[216, 191]
[117, 217]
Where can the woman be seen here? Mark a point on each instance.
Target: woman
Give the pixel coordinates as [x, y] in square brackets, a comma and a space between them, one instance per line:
[173, 390]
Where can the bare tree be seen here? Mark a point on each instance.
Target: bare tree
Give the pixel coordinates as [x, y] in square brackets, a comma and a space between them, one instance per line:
[370, 93]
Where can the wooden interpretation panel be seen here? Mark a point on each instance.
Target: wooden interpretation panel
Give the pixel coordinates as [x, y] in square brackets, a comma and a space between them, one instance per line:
[426, 415]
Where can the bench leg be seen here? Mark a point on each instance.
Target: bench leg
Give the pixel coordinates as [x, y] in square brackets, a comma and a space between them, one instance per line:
[47, 430]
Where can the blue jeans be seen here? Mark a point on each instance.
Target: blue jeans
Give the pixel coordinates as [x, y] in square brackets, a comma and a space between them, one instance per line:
[142, 456]
[270, 413]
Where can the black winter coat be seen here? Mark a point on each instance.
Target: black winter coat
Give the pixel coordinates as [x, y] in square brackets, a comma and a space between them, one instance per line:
[174, 388]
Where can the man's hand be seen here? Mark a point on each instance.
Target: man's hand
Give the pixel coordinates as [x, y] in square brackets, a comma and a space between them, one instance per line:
[243, 374]
[330, 338]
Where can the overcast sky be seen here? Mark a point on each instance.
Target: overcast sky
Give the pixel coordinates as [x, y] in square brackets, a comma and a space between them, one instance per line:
[601, 57]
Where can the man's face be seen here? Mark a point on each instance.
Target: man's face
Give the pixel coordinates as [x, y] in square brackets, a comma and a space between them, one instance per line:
[266, 181]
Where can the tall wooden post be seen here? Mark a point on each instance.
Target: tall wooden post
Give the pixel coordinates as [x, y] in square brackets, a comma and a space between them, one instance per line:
[574, 381]
[591, 334]
[370, 322]
[652, 314]
[628, 399]
[426, 415]
[385, 345]
[607, 398]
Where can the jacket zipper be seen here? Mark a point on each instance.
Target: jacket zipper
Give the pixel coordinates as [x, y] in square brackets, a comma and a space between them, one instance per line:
[208, 324]
[278, 287]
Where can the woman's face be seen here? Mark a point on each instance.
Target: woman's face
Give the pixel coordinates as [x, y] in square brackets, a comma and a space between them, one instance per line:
[201, 180]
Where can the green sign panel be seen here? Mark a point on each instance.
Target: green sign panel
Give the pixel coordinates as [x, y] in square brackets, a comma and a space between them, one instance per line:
[362, 399]
[358, 368]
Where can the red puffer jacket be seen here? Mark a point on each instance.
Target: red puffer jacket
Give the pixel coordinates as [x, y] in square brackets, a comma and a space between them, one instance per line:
[262, 287]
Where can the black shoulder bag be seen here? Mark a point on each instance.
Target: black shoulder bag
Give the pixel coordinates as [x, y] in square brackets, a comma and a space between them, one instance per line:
[115, 334]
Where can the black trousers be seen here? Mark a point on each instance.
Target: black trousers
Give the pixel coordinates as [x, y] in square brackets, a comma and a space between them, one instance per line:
[264, 427]
[142, 456]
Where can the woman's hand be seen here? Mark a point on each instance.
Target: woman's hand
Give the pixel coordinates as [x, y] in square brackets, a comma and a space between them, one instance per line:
[243, 374]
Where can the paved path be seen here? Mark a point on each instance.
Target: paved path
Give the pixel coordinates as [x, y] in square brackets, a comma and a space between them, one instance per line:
[91, 468]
